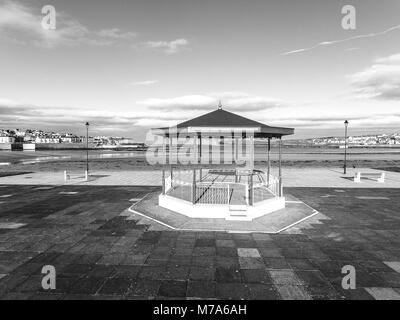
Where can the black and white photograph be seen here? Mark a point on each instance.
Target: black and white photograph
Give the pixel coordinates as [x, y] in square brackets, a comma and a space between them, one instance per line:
[199, 154]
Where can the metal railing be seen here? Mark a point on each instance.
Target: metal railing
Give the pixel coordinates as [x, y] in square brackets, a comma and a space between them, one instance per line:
[212, 191]
[273, 185]
[181, 188]
[266, 188]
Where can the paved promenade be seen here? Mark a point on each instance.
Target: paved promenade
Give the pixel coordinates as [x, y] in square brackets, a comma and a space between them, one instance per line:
[292, 177]
[100, 252]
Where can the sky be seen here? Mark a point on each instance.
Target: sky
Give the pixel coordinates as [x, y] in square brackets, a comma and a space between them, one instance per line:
[127, 66]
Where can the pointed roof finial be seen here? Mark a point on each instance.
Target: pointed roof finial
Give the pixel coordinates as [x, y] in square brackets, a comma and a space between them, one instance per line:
[219, 105]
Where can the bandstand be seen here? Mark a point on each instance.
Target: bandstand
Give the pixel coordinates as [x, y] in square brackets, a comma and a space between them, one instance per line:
[209, 187]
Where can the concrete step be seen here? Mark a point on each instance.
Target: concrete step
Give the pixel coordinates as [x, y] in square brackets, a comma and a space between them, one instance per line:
[238, 218]
[238, 208]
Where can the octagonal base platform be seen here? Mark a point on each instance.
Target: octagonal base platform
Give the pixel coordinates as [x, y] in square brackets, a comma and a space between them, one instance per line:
[295, 212]
[221, 211]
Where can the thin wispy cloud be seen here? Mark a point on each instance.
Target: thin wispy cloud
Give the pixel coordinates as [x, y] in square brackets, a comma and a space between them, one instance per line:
[168, 47]
[22, 24]
[116, 33]
[144, 83]
[351, 49]
[329, 43]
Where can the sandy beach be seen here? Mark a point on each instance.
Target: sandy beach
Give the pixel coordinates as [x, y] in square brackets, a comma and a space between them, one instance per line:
[108, 160]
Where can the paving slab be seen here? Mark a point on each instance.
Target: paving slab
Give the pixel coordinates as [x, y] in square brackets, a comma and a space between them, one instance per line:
[202, 273]
[201, 289]
[384, 293]
[251, 263]
[259, 291]
[248, 252]
[175, 289]
[285, 277]
[237, 291]
[260, 276]
[116, 286]
[293, 292]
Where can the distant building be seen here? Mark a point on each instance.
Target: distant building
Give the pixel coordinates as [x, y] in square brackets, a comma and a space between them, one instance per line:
[7, 139]
[70, 138]
[46, 140]
[19, 133]
[126, 141]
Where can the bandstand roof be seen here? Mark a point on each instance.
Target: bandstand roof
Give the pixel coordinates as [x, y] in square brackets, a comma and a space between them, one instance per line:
[222, 121]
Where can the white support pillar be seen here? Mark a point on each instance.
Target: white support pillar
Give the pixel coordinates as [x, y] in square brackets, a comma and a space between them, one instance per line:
[251, 189]
[247, 193]
[252, 151]
[163, 181]
[200, 156]
[195, 149]
[200, 147]
[194, 187]
[269, 161]
[233, 147]
[280, 167]
[236, 146]
[170, 155]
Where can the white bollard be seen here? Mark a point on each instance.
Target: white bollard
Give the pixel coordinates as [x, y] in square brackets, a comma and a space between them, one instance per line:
[86, 176]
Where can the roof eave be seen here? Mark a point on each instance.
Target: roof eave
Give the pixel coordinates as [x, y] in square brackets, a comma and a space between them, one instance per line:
[278, 131]
[264, 131]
